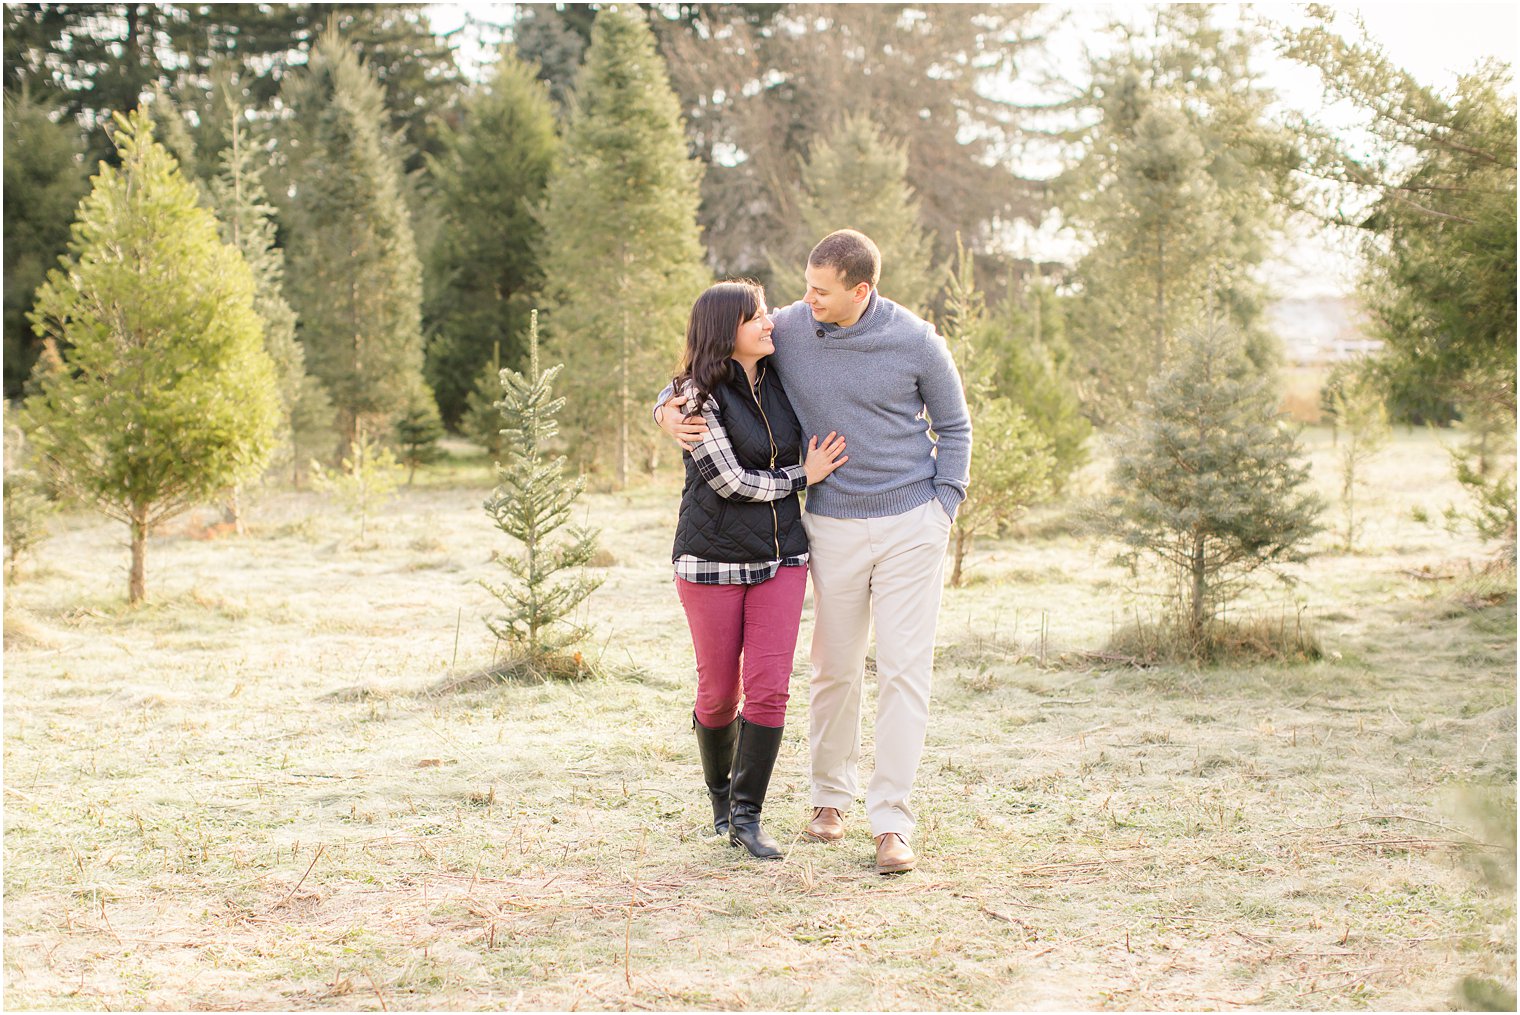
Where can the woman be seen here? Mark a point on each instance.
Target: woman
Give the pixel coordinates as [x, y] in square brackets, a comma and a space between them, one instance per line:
[740, 550]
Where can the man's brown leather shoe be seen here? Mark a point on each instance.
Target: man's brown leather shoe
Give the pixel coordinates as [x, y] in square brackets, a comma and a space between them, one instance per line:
[827, 825]
[893, 854]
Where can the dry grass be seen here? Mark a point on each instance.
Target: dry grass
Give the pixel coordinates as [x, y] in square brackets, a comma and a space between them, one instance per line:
[251, 795]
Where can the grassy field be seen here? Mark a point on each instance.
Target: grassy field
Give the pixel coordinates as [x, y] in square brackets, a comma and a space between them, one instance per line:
[276, 787]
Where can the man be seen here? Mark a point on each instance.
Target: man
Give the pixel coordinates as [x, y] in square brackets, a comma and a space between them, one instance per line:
[854, 362]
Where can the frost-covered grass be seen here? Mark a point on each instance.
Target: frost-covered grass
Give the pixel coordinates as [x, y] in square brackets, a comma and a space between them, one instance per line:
[251, 793]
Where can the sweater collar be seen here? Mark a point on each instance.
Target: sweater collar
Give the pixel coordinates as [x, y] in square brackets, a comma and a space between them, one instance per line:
[861, 326]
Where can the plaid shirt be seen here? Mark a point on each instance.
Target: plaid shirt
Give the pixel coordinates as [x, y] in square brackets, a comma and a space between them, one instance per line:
[717, 465]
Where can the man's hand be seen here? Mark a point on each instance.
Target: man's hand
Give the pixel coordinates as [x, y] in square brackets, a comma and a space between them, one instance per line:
[687, 431]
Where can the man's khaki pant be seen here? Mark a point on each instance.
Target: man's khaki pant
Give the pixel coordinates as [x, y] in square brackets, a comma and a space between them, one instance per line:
[892, 568]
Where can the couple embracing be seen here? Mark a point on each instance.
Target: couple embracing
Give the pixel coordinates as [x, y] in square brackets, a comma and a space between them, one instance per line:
[755, 392]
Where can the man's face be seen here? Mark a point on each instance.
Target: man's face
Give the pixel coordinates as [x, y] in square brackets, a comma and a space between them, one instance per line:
[830, 300]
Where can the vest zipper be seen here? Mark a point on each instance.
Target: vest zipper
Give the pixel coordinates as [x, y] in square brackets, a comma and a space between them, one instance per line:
[755, 393]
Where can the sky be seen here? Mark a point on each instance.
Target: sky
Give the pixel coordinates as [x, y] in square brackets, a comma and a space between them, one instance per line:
[1433, 41]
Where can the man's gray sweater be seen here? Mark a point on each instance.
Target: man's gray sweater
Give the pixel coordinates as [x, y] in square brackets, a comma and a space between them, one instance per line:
[874, 382]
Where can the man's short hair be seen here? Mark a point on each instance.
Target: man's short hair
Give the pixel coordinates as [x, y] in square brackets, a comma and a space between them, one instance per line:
[850, 253]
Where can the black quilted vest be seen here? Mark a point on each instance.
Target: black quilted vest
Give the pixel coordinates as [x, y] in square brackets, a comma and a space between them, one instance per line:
[766, 435]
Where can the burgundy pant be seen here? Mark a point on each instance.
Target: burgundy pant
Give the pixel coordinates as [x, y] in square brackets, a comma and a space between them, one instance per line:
[753, 623]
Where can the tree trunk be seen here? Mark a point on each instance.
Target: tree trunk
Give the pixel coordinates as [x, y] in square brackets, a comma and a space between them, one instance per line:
[1348, 486]
[1200, 587]
[232, 510]
[348, 435]
[623, 367]
[962, 545]
[1160, 353]
[136, 583]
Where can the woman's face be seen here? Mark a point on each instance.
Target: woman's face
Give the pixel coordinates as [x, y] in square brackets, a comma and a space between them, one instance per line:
[753, 342]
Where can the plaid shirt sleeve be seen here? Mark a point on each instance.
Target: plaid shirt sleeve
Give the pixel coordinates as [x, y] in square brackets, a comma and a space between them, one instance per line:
[718, 466]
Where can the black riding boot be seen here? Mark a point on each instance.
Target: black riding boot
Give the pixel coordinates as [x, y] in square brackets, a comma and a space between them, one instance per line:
[754, 759]
[716, 746]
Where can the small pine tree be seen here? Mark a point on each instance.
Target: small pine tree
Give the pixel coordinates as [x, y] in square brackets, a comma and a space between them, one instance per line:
[857, 179]
[1330, 394]
[417, 433]
[365, 479]
[482, 419]
[1010, 470]
[27, 506]
[154, 392]
[1362, 422]
[1012, 464]
[1208, 479]
[1491, 500]
[531, 502]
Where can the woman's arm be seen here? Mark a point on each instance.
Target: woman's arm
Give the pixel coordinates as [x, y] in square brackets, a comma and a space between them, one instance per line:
[717, 465]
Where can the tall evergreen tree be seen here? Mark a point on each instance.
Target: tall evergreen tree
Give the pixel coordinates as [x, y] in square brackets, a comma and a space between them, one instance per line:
[856, 179]
[242, 205]
[99, 57]
[44, 180]
[624, 259]
[531, 502]
[356, 283]
[151, 397]
[1182, 183]
[1206, 480]
[490, 182]
[554, 38]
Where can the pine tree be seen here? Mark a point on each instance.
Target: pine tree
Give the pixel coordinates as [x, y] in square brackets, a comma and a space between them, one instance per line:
[531, 502]
[364, 480]
[1182, 183]
[242, 205]
[44, 180]
[490, 182]
[624, 259]
[1439, 250]
[1033, 371]
[417, 433]
[1012, 464]
[482, 419]
[1362, 433]
[155, 392]
[761, 83]
[355, 281]
[856, 179]
[1207, 480]
[27, 505]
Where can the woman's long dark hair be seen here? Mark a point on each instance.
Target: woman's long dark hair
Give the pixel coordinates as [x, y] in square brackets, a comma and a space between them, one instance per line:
[711, 331]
